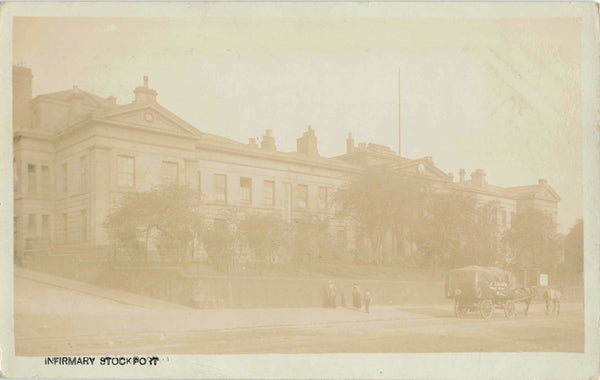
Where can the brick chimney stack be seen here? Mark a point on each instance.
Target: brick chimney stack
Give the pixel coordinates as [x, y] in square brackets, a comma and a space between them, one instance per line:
[478, 177]
[268, 141]
[22, 83]
[349, 143]
[307, 144]
[22, 80]
[145, 94]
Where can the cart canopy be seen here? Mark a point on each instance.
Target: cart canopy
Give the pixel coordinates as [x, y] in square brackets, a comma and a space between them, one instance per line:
[471, 279]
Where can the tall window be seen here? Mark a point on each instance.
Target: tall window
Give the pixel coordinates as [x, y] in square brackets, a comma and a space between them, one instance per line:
[269, 190]
[125, 171]
[32, 180]
[83, 169]
[323, 198]
[65, 228]
[46, 226]
[16, 176]
[169, 172]
[301, 196]
[245, 190]
[45, 180]
[200, 184]
[503, 218]
[84, 226]
[341, 237]
[65, 178]
[31, 225]
[16, 231]
[220, 187]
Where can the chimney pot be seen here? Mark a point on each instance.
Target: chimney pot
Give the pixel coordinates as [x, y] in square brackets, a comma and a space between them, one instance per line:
[542, 182]
[461, 175]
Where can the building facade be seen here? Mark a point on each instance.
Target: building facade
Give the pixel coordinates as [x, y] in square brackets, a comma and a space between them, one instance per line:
[76, 154]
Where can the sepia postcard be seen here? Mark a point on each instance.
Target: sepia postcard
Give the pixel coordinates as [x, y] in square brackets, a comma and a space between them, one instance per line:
[272, 190]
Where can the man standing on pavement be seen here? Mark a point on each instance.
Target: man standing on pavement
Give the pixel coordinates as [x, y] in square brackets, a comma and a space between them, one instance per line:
[356, 296]
[331, 295]
[367, 299]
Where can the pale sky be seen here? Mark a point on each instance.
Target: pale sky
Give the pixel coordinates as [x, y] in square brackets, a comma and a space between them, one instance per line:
[503, 95]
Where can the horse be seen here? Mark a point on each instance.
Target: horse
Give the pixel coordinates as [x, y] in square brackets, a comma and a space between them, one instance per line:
[552, 295]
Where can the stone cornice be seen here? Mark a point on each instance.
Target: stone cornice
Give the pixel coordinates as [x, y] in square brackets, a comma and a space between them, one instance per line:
[33, 135]
[280, 156]
[143, 128]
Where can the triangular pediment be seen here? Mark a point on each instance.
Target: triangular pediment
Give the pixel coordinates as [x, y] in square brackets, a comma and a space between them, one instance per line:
[548, 194]
[153, 117]
[424, 167]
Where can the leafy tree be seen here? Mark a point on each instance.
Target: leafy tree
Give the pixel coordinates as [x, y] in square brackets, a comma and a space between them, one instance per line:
[485, 240]
[311, 241]
[382, 200]
[534, 239]
[457, 230]
[574, 249]
[446, 228]
[220, 243]
[264, 234]
[170, 212]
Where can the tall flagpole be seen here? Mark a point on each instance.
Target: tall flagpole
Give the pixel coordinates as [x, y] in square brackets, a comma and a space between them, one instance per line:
[399, 116]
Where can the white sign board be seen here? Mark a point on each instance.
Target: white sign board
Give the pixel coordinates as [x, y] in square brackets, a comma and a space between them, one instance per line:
[543, 279]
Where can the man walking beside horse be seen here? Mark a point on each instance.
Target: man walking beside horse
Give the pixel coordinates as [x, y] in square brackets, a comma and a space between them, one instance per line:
[553, 296]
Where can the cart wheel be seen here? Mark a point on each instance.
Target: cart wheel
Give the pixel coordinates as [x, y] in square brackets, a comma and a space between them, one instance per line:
[509, 309]
[486, 307]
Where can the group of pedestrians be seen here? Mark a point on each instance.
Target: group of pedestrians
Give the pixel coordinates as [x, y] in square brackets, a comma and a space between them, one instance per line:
[358, 297]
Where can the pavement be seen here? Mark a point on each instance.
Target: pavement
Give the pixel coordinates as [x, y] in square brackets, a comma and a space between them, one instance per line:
[55, 316]
[79, 287]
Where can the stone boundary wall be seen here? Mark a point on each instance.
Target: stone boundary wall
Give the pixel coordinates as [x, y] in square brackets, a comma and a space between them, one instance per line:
[250, 292]
[245, 291]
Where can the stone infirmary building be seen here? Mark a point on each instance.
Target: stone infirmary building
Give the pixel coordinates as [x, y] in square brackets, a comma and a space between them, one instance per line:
[76, 154]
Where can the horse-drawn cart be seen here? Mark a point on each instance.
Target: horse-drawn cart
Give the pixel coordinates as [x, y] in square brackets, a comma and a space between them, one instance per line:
[483, 289]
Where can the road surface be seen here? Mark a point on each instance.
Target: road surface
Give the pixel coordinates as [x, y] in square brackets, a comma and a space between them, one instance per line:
[52, 320]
